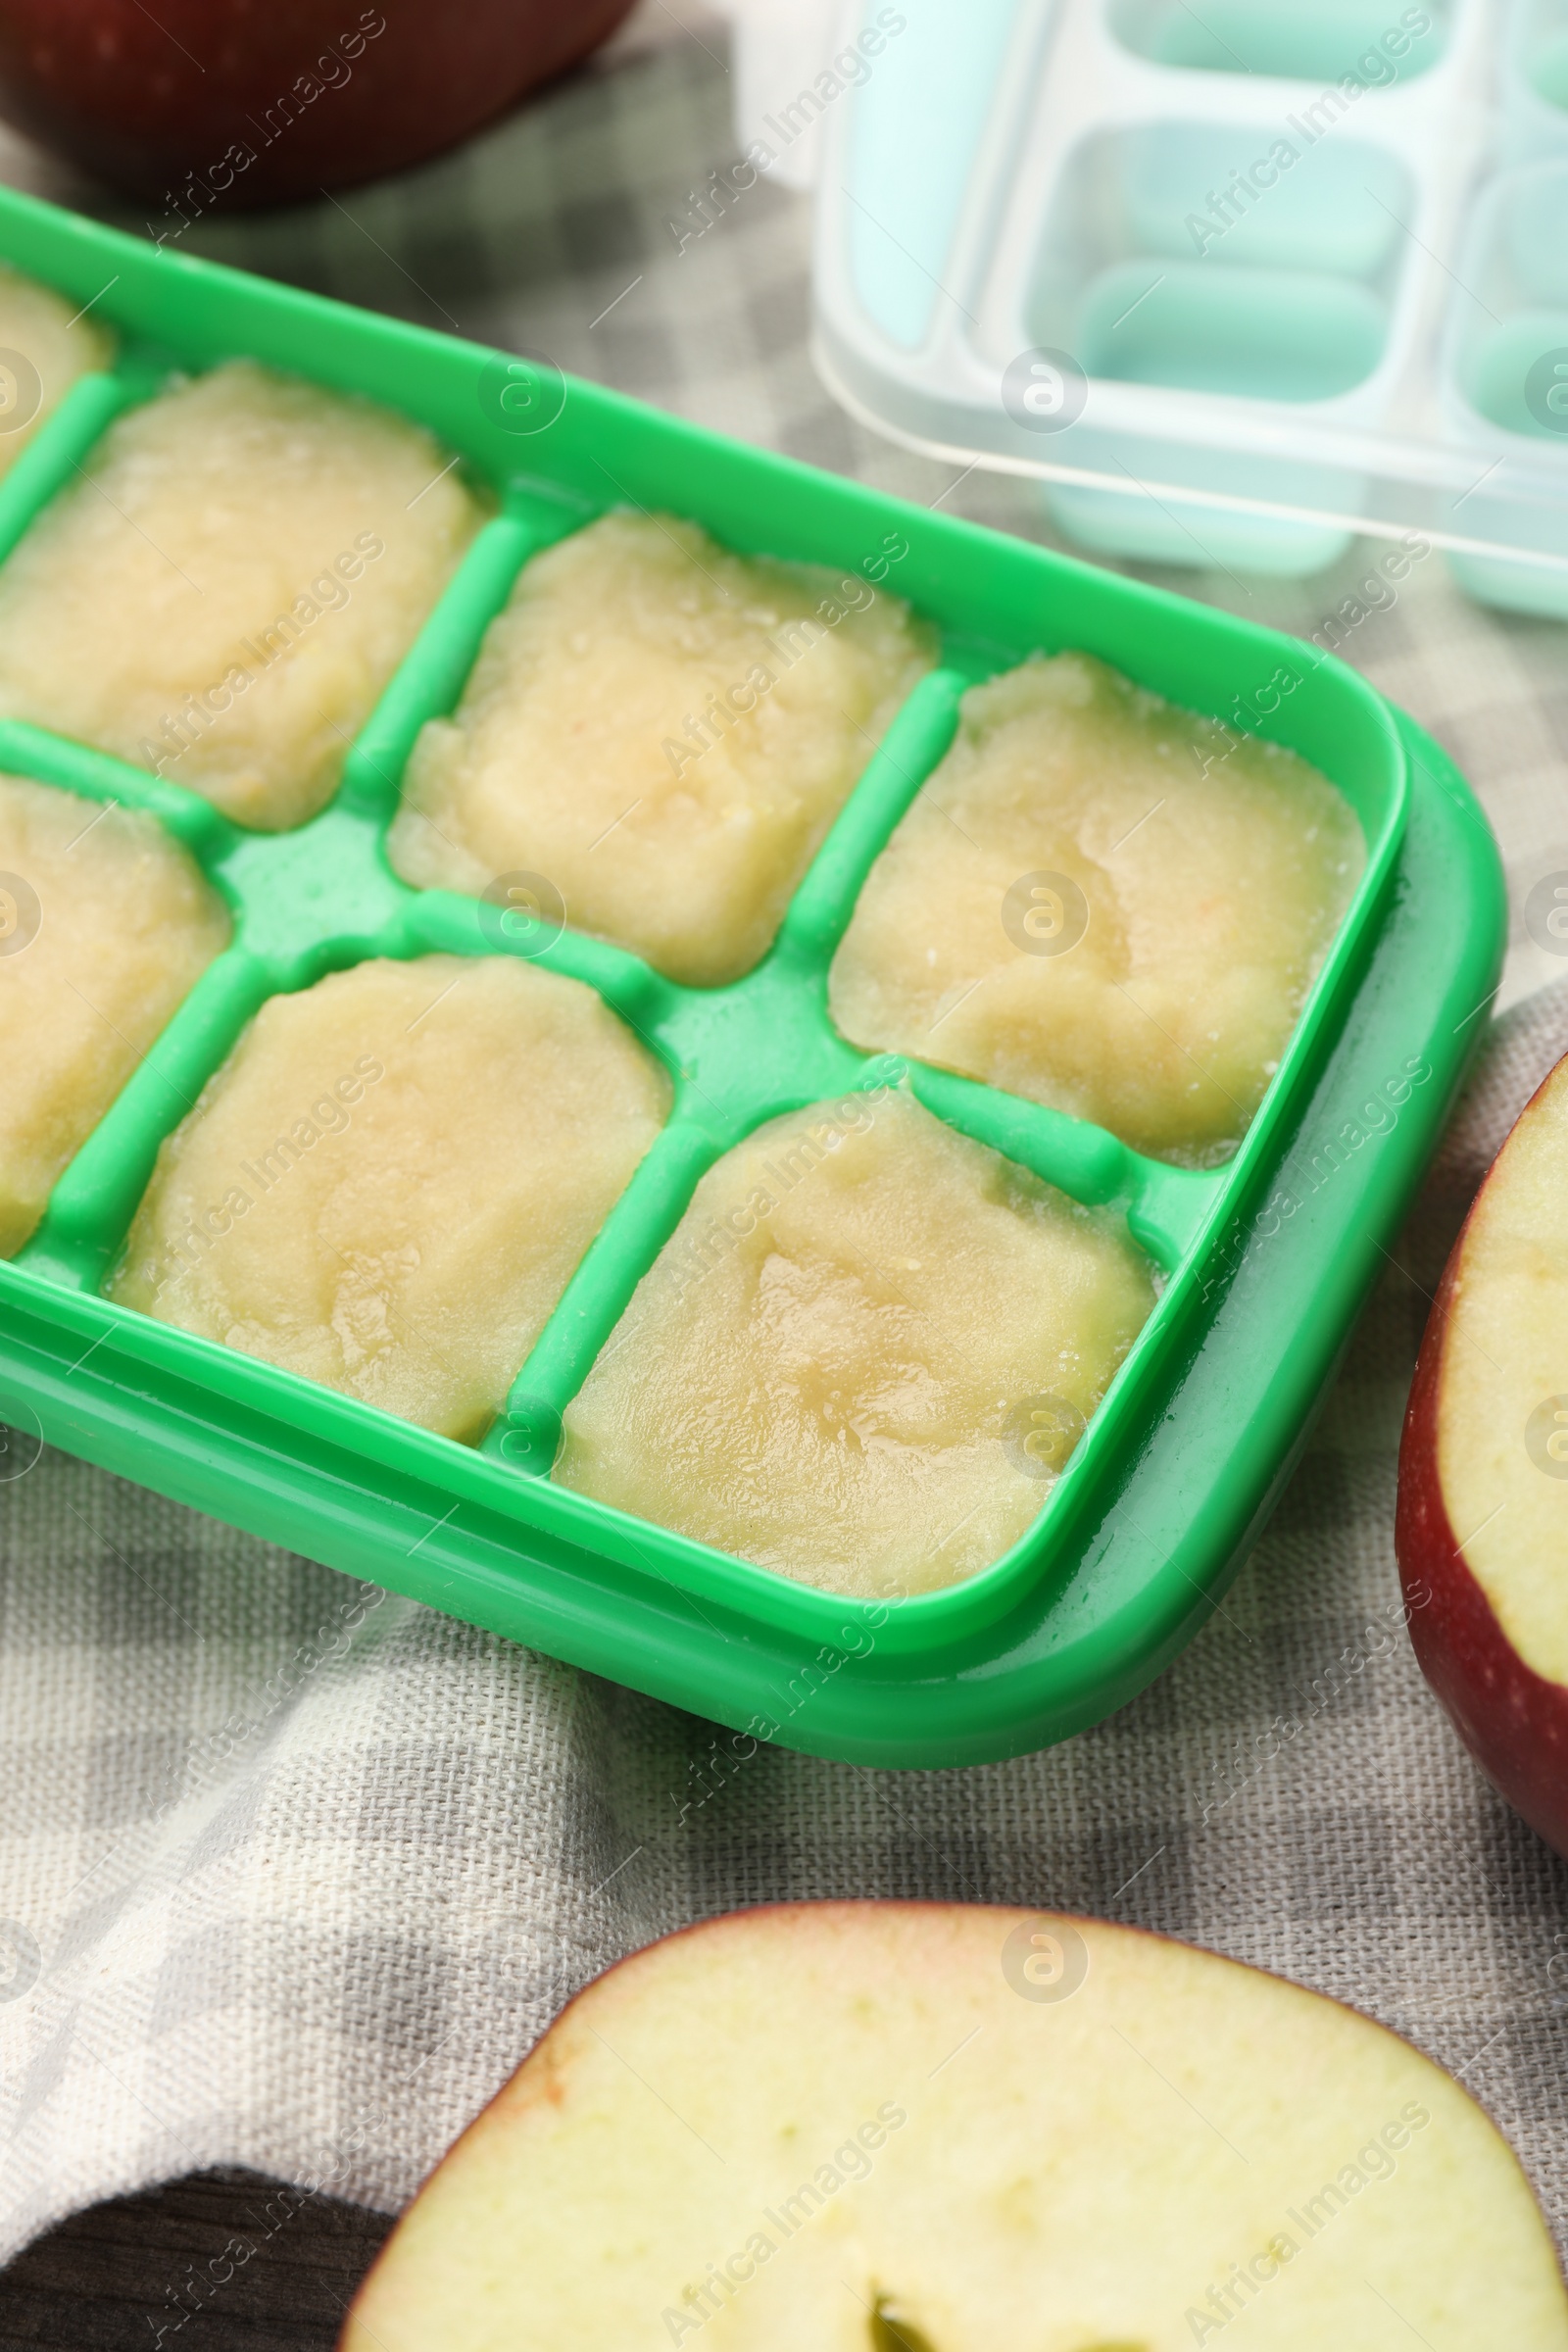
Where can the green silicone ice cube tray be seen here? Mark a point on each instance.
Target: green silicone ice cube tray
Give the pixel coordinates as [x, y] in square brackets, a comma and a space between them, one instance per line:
[1264, 1260]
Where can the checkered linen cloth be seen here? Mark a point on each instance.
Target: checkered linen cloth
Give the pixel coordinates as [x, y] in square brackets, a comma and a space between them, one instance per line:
[293, 1874]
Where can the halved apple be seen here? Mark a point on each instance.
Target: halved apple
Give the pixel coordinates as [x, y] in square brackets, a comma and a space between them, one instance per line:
[1482, 1525]
[937, 2128]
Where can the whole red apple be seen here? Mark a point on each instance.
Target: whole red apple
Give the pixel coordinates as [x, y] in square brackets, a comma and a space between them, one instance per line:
[201, 102]
[1482, 1523]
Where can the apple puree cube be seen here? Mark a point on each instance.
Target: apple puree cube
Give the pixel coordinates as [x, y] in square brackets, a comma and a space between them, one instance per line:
[389, 1182]
[666, 731]
[863, 1354]
[225, 594]
[106, 925]
[1107, 903]
[45, 344]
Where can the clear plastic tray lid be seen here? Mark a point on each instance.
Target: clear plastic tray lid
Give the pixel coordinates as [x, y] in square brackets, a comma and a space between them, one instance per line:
[1235, 282]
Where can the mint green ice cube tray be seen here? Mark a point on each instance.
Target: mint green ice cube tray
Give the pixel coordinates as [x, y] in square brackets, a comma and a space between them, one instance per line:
[1271, 272]
[1264, 1260]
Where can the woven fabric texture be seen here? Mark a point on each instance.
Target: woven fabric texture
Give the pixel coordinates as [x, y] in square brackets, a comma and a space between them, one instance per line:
[293, 1874]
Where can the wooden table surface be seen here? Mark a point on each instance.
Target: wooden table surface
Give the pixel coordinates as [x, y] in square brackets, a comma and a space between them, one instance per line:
[219, 2262]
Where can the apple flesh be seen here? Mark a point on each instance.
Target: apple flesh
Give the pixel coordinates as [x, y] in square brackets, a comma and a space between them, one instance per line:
[168, 103]
[867, 2126]
[1482, 1525]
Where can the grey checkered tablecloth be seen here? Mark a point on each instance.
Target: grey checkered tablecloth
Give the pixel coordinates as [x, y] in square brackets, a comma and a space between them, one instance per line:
[293, 1875]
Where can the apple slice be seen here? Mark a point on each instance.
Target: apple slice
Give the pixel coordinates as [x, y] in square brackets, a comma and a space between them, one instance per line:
[936, 2127]
[1481, 1526]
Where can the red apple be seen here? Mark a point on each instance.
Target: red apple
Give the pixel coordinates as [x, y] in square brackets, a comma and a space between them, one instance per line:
[197, 103]
[937, 2128]
[1482, 1524]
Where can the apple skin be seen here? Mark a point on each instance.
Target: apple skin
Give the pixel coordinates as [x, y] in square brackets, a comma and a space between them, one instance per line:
[144, 99]
[1512, 1720]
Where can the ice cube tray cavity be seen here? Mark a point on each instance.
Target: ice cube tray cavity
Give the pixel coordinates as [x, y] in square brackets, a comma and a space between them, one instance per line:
[1130, 1550]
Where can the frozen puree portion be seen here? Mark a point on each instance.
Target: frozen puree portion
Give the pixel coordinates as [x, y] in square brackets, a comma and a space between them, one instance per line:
[45, 344]
[390, 1180]
[105, 926]
[226, 593]
[1103, 903]
[863, 1355]
[665, 731]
